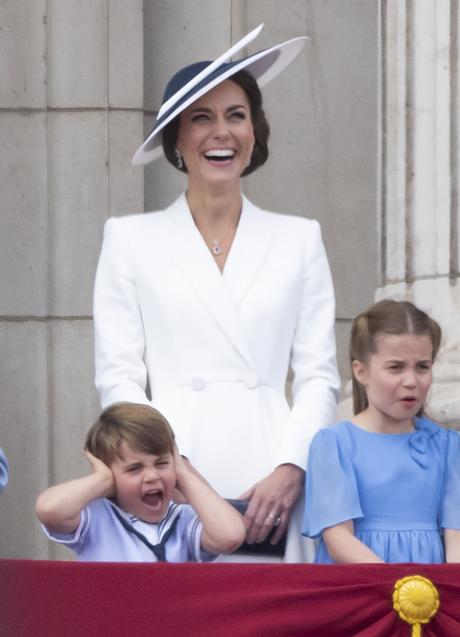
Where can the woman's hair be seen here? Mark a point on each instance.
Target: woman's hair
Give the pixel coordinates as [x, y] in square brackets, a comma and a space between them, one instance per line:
[259, 123]
[386, 317]
[142, 427]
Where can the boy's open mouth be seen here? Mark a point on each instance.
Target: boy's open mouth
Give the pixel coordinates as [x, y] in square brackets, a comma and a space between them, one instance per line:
[153, 498]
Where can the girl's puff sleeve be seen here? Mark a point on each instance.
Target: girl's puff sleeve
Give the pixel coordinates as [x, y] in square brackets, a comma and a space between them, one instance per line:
[331, 493]
[450, 512]
[3, 470]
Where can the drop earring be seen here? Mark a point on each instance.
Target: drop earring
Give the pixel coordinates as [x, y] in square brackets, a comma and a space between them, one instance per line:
[248, 163]
[179, 161]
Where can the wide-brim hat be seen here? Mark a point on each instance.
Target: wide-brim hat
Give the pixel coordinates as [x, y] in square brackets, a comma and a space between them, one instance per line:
[193, 81]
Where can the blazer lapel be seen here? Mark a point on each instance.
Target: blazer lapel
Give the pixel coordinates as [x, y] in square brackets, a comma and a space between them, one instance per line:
[194, 259]
[248, 251]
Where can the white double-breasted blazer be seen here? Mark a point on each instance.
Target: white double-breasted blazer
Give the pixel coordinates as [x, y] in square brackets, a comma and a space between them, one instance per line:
[213, 349]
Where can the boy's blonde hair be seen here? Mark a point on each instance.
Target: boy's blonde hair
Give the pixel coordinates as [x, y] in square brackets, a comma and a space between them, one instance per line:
[142, 427]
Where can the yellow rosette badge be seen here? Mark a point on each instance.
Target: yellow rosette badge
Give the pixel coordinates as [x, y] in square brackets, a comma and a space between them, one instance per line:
[416, 600]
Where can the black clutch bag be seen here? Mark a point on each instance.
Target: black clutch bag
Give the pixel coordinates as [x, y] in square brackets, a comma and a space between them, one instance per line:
[260, 548]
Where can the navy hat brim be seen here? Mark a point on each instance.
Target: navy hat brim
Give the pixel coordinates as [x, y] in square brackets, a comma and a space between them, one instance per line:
[263, 66]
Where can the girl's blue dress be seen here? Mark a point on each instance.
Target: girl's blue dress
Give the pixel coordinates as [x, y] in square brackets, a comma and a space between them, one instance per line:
[400, 490]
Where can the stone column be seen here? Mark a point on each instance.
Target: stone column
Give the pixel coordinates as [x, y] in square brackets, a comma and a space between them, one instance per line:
[71, 92]
[418, 208]
[76, 80]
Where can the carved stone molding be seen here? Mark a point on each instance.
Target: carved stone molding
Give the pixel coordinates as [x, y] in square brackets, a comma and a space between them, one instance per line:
[418, 212]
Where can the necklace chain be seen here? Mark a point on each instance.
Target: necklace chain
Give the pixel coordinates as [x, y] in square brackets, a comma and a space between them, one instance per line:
[216, 248]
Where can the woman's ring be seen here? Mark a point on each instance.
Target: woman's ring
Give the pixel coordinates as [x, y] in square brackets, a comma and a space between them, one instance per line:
[276, 519]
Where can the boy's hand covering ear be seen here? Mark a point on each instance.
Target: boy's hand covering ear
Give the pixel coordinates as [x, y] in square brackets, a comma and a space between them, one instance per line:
[183, 468]
[103, 470]
[180, 466]
[181, 463]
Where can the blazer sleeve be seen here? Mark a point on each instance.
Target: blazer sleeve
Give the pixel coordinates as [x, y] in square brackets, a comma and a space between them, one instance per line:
[121, 374]
[316, 382]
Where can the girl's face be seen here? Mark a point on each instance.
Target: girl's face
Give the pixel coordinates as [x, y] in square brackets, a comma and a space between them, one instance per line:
[216, 136]
[396, 379]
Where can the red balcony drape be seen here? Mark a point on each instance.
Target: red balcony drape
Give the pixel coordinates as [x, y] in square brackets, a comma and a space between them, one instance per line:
[47, 599]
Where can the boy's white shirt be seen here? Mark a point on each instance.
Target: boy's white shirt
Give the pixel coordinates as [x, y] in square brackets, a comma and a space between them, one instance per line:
[101, 537]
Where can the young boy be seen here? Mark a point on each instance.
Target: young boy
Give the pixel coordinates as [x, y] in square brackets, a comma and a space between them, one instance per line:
[123, 510]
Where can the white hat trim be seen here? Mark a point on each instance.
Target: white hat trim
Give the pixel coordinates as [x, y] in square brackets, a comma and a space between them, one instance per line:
[145, 155]
[209, 69]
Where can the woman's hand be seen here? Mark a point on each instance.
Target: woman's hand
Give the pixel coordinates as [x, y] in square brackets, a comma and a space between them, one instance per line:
[271, 501]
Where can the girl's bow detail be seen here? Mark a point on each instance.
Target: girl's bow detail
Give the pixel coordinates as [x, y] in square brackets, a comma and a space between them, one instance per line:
[418, 442]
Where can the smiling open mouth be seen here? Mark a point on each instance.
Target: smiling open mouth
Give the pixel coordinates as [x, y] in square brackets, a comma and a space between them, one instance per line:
[219, 154]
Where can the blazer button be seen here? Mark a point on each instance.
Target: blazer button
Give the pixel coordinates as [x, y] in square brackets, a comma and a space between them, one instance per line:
[251, 381]
[197, 383]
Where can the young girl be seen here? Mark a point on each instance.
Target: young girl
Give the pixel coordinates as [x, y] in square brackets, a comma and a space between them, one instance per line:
[385, 485]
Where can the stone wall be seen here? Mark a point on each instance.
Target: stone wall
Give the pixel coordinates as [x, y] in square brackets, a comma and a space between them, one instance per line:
[418, 206]
[70, 117]
[74, 105]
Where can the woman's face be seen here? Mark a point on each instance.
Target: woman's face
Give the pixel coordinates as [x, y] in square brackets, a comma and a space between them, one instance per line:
[216, 136]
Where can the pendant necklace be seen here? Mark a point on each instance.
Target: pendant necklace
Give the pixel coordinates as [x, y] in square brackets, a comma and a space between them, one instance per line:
[216, 247]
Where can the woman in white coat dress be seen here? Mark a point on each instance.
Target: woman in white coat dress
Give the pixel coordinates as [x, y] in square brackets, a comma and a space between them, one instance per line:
[201, 308]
